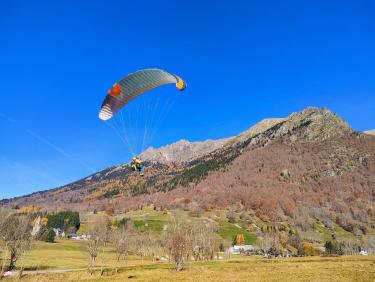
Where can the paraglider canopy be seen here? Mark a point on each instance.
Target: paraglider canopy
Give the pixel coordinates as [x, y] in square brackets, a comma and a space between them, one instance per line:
[136, 122]
[134, 85]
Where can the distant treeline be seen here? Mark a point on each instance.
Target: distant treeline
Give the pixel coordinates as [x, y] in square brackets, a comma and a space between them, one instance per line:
[64, 220]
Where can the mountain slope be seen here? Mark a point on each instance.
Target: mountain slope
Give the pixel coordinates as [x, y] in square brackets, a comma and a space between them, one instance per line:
[306, 167]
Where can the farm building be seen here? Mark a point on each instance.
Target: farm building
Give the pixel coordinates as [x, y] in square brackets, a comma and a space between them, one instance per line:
[239, 249]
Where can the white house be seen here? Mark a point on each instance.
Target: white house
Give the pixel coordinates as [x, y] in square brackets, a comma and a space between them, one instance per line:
[238, 249]
[59, 232]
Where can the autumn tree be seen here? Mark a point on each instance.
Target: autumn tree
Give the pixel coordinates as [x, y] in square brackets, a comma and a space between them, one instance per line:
[240, 239]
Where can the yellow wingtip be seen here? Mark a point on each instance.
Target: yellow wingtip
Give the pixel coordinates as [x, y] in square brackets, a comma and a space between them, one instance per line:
[180, 84]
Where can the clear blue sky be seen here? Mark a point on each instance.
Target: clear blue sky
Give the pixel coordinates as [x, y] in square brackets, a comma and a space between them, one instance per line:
[243, 61]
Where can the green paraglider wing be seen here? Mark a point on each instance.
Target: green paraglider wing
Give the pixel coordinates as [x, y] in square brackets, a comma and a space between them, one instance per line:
[134, 85]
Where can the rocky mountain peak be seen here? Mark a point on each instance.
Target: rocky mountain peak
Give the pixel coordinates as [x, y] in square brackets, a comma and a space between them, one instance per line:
[260, 127]
[315, 124]
[311, 124]
[307, 125]
[182, 151]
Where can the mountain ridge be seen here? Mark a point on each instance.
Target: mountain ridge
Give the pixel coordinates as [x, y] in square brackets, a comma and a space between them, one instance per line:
[307, 163]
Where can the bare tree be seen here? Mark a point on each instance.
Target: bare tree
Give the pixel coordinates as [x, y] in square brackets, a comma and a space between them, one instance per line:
[99, 230]
[3, 250]
[205, 240]
[158, 247]
[194, 209]
[370, 244]
[179, 245]
[348, 246]
[144, 244]
[231, 216]
[268, 243]
[295, 241]
[226, 244]
[93, 247]
[16, 235]
[153, 245]
[121, 240]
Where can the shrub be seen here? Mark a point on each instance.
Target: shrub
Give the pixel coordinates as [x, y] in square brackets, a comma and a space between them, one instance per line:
[309, 249]
[111, 193]
[110, 211]
[123, 221]
[231, 216]
[194, 209]
[331, 247]
[48, 236]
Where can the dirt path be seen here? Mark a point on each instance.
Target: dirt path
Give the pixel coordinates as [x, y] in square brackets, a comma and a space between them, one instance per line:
[46, 271]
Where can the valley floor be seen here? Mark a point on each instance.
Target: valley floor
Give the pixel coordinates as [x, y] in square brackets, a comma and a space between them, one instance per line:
[346, 268]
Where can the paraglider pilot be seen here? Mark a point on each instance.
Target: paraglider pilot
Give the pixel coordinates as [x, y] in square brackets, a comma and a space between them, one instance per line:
[136, 165]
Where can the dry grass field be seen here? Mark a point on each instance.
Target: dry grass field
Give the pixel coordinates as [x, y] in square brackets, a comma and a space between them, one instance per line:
[349, 268]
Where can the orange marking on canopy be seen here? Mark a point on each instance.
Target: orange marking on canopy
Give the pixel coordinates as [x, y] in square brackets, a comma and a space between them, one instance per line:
[115, 90]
